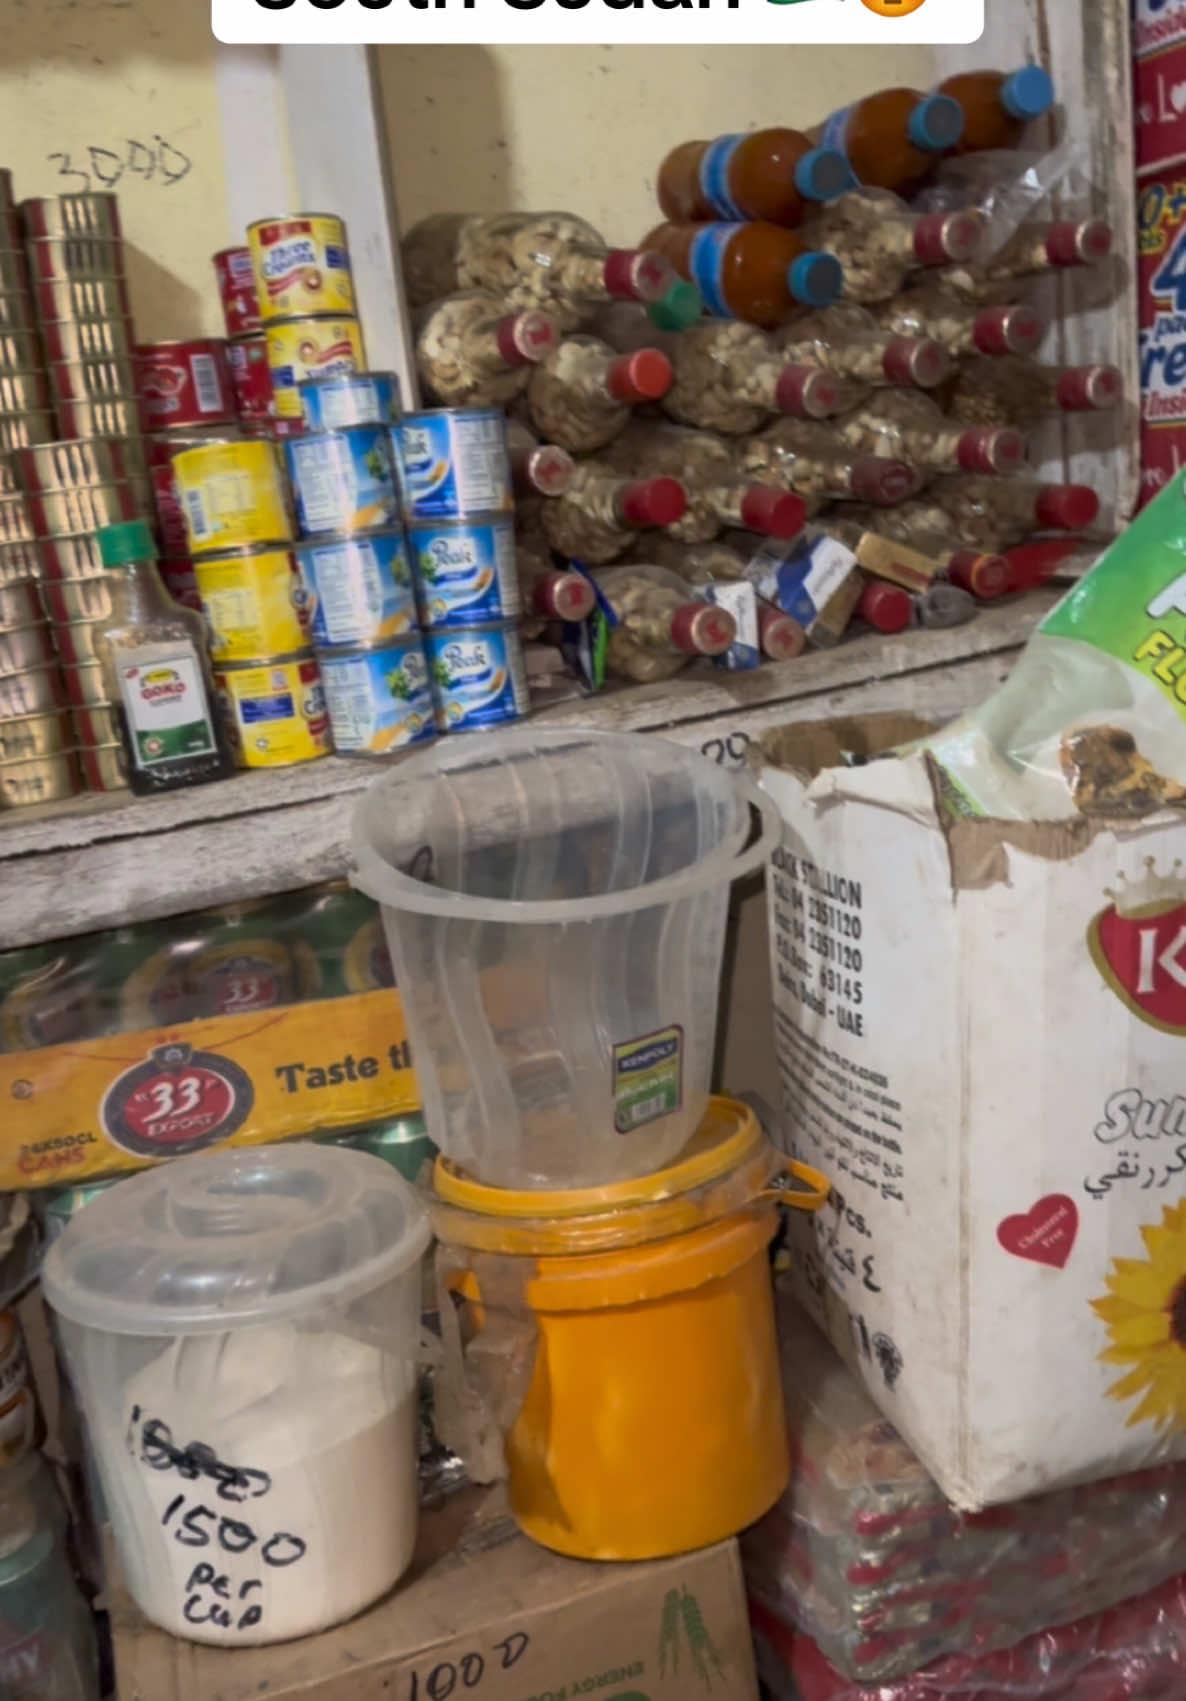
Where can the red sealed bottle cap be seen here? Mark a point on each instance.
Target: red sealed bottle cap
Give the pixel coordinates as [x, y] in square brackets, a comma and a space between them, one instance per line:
[781, 637]
[637, 274]
[525, 337]
[991, 451]
[884, 483]
[1085, 387]
[701, 629]
[941, 238]
[1032, 564]
[1078, 242]
[919, 361]
[777, 513]
[643, 376]
[807, 391]
[984, 575]
[887, 608]
[547, 470]
[563, 596]
[653, 502]
[1066, 507]
[1008, 330]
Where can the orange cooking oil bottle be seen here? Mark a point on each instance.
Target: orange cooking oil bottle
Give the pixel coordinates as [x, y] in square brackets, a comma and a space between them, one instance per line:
[770, 174]
[997, 105]
[893, 138]
[759, 272]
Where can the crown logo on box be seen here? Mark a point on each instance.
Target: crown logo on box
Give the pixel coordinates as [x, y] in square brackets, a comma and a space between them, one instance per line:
[1152, 894]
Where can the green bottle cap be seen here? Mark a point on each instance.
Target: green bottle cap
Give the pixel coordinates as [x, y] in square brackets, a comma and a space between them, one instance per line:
[132, 541]
[680, 307]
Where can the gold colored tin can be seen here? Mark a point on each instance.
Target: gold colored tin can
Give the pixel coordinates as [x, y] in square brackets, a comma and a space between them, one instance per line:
[87, 339]
[92, 380]
[80, 461]
[71, 557]
[233, 495]
[88, 508]
[14, 273]
[20, 604]
[76, 599]
[300, 349]
[74, 259]
[114, 416]
[24, 392]
[275, 710]
[17, 430]
[252, 601]
[76, 641]
[20, 561]
[20, 351]
[29, 736]
[43, 779]
[302, 265]
[104, 766]
[82, 298]
[72, 215]
[16, 523]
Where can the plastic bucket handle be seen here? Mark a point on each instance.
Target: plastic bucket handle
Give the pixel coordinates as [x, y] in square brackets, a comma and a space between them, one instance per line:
[812, 1196]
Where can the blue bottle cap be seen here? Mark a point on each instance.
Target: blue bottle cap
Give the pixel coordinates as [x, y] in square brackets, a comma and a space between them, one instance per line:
[1028, 93]
[823, 174]
[936, 124]
[815, 279]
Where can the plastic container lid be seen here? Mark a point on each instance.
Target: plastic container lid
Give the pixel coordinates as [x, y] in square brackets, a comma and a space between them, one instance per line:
[936, 124]
[823, 173]
[132, 541]
[985, 450]
[887, 608]
[546, 469]
[637, 274]
[815, 279]
[680, 305]
[882, 482]
[230, 1238]
[1078, 242]
[781, 635]
[643, 376]
[653, 502]
[807, 392]
[985, 576]
[1067, 507]
[777, 513]
[1087, 387]
[1008, 330]
[702, 629]
[564, 596]
[917, 361]
[942, 238]
[525, 337]
[1028, 93]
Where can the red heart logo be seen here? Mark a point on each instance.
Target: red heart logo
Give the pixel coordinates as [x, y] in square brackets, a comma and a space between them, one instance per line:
[1143, 959]
[1044, 1235]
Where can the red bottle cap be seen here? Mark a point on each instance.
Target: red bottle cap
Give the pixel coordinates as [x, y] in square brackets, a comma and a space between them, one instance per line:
[564, 596]
[643, 376]
[919, 361]
[1085, 387]
[991, 451]
[985, 576]
[887, 608]
[637, 274]
[1066, 507]
[781, 637]
[1032, 564]
[807, 391]
[941, 238]
[777, 513]
[1008, 330]
[884, 483]
[547, 470]
[526, 337]
[1078, 242]
[653, 502]
[702, 629]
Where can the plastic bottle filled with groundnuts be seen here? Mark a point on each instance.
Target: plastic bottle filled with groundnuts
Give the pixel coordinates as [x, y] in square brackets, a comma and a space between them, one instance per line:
[537, 469]
[879, 242]
[998, 105]
[910, 426]
[718, 494]
[894, 138]
[762, 273]
[431, 255]
[731, 377]
[809, 459]
[898, 546]
[662, 624]
[776, 175]
[992, 514]
[556, 262]
[780, 636]
[1015, 391]
[960, 327]
[548, 592]
[582, 393]
[470, 352]
[847, 341]
[1031, 250]
[598, 515]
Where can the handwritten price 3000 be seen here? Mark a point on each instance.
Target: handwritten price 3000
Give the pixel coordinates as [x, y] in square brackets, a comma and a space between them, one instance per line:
[95, 168]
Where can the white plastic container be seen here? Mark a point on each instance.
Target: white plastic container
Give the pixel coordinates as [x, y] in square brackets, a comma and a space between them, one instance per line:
[555, 905]
[242, 1329]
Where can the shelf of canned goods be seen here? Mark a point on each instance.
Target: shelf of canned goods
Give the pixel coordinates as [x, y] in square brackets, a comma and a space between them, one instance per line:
[101, 861]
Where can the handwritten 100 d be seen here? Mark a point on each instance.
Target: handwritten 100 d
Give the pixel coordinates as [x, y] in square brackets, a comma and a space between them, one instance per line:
[212, 1597]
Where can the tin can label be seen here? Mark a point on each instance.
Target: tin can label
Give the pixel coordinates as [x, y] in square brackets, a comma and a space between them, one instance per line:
[301, 349]
[236, 286]
[453, 464]
[363, 398]
[478, 677]
[465, 573]
[251, 378]
[169, 511]
[184, 384]
[344, 481]
[301, 266]
[379, 700]
[164, 701]
[233, 496]
[253, 605]
[357, 590]
[648, 1078]
[276, 713]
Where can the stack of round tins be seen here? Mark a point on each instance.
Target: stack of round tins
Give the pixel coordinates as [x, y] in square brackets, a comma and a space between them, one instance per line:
[456, 480]
[239, 529]
[38, 763]
[25, 412]
[355, 574]
[247, 347]
[305, 290]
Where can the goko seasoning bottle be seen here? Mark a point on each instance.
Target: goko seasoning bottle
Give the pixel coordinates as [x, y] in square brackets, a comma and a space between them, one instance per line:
[157, 671]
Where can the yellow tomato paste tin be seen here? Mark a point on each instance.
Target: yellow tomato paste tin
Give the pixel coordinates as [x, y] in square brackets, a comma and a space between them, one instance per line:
[275, 710]
[302, 265]
[315, 347]
[253, 600]
[233, 495]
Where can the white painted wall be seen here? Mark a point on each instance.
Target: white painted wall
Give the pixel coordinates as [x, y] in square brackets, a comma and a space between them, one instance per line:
[484, 129]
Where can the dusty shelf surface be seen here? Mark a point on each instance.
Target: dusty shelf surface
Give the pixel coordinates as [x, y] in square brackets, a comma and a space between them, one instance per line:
[98, 861]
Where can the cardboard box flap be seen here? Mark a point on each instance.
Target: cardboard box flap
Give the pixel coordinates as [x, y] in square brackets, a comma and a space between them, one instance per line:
[806, 748]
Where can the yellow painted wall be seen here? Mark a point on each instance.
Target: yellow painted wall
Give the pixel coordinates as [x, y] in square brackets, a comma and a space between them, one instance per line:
[134, 81]
[484, 129]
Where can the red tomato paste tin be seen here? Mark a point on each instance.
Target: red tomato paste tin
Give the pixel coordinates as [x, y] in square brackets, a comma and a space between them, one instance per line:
[251, 378]
[236, 287]
[184, 383]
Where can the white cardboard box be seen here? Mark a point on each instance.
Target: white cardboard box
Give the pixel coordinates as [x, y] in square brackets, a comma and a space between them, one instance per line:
[981, 1033]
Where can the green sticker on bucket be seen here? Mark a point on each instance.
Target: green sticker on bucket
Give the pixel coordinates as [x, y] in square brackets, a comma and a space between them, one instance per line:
[648, 1078]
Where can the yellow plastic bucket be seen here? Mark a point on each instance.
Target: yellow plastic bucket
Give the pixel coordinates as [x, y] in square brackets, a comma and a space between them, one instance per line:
[653, 1420]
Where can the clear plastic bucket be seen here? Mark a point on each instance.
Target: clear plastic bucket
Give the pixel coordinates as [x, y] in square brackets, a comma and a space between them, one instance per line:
[555, 905]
